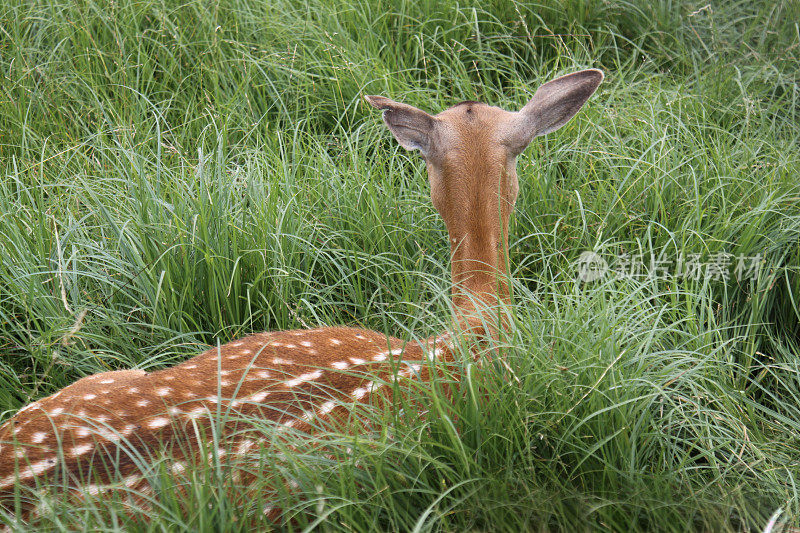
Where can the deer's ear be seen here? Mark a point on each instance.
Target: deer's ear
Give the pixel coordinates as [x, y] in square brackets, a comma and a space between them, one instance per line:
[410, 126]
[552, 106]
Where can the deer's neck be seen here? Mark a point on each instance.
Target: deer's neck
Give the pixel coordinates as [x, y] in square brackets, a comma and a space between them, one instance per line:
[480, 281]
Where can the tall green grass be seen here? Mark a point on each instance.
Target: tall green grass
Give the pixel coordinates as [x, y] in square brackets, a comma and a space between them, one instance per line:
[188, 172]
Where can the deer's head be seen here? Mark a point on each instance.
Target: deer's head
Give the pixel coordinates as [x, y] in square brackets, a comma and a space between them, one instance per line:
[470, 151]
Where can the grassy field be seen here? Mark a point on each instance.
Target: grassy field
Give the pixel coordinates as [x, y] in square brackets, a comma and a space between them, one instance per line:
[178, 174]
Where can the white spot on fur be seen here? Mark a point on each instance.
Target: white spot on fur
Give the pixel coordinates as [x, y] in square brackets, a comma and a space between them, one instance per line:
[178, 467]
[168, 378]
[245, 446]
[219, 454]
[359, 393]
[290, 346]
[302, 378]
[263, 374]
[158, 422]
[341, 365]
[107, 381]
[361, 337]
[307, 344]
[39, 467]
[108, 434]
[82, 432]
[336, 342]
[80, 449]
[133, 390]
[259, 396]
[236, 344]
[38, 437]
[143, 403]
[326, 408]
[357, 361]
[189, 367]
[56, 411]
[396, 351]
[163, 391]
[279, 361]
[174, 411]
[28, 407]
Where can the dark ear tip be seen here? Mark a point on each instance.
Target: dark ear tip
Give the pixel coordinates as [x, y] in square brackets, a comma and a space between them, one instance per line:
[378, 102]
[592, 75]
[596, 72]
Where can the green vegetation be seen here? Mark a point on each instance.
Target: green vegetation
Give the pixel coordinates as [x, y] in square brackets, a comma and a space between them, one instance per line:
[189, 172]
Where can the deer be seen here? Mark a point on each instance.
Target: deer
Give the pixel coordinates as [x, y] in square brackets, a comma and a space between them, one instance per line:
[295, 378]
